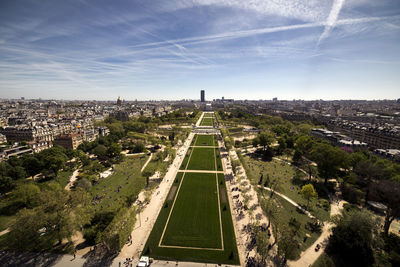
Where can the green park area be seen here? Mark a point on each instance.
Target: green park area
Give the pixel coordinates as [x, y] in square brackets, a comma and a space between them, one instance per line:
[288, 180]
[207, 122]
[204, 140]
[121, 187]
[192, 228]
[208, 115]
[195, 221]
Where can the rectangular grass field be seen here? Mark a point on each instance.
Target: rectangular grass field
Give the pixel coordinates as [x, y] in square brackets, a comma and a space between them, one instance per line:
[195, 218]
[208, 115]
[207, 122]
[202, 158]
[204, 140]
[192, 226]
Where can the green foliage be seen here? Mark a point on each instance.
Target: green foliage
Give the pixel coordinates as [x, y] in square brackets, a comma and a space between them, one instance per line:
[27, 195]
[351, 241]
[329, 159]
[262, 243]
[59, 214]
[308, 192]
[117, 232]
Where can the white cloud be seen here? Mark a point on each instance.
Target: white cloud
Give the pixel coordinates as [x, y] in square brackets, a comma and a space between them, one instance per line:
[331, 20]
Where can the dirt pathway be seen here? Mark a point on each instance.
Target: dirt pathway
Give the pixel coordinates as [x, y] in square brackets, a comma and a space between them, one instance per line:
[201, 171]
[199, 120]
[147, 162]
[72, 179]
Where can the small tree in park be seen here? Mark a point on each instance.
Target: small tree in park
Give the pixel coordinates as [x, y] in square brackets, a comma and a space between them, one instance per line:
[308, 192]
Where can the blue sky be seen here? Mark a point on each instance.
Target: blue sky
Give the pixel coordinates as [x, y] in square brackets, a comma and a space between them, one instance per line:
[242, 49]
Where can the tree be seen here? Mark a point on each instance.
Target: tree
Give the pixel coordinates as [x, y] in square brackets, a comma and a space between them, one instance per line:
[53, 159]
[265, 140]
[388, 193]
[27, 232]
[139, 147]
[308, 192]
[17, 172]
[6, 184]
[271, 210]
[276, 184]
[329, 160]
[83, 158]
[262, 243]
[147, 172]
[367, 172]
[66, 211]
[351, 240]
[287, 244]
[114, 150]
[27, 194]
[282, 144]
[31, 164]
[100, 151]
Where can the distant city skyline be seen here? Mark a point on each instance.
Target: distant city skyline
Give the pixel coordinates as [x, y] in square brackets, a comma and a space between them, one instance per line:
[170, 50]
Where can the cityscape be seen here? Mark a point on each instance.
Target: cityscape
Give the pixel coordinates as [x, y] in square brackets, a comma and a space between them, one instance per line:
[200, 133]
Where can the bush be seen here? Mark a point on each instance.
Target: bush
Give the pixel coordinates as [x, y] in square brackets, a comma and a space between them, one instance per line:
[352, 194]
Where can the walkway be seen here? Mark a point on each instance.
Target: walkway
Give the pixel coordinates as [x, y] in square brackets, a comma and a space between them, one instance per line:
[243, 237]
[72, 179]
[201, 171]
[147, 162]
[200, 119]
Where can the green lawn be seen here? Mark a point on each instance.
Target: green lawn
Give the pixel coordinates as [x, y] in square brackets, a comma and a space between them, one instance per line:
[194, 221]
[208, 115]
[202, 159]
[288, 211]
[204, 140]
[280, 170]
[125, 182]
[207, 122]
[185, 230]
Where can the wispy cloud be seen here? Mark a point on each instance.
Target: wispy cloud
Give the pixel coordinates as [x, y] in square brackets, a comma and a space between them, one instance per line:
[332, 19]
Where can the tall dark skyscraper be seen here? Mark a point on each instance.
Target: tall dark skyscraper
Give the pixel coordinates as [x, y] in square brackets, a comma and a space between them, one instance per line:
[202, 96]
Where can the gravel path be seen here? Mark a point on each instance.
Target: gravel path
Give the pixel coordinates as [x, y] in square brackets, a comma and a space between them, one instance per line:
[72, 180]
[147, 162]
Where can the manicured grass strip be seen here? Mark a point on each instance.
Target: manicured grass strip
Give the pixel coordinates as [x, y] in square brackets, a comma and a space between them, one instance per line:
[227, 256]
[207, 122]
[194, 221]
[205, 140]
[208, 115]
[186, 159]
[218, 160]
[202, 159]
